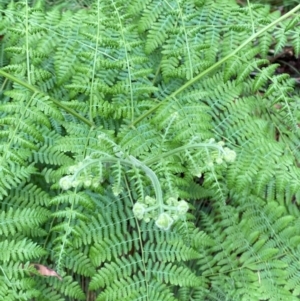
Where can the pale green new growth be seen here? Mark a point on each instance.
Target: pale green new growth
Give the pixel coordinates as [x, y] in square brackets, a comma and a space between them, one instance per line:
[90, 169]
[149, 150]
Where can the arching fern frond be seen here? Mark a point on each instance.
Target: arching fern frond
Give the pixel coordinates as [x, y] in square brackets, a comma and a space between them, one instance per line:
[148, 151]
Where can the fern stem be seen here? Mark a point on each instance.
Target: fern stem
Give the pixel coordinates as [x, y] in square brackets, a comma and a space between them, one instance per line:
[131, 161]
[216, 65]
[152, 176]
[27, 45]
[127, 60]
[179, 149]
[94, 61]
[35, 90]
[140, 237]
[251, 16]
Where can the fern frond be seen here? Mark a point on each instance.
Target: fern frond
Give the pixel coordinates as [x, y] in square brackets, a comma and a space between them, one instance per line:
[148, 151]
[20, 250]
[120, 268]
[113, 247]
[21, 220]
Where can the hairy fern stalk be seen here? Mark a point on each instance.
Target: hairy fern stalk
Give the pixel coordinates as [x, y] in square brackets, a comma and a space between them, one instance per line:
[148, 151]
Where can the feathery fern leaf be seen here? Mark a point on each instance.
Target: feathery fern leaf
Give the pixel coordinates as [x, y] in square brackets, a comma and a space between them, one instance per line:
[148, 151]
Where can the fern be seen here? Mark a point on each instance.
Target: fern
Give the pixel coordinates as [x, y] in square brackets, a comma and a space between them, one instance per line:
[148, 151]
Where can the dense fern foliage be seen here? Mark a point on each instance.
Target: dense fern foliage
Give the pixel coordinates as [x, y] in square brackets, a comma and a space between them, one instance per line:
[148, 151]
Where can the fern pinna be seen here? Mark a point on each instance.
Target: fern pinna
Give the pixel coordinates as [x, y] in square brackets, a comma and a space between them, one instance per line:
[149, 151]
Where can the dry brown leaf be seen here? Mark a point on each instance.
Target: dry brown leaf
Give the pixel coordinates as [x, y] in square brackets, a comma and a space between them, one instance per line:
[45, 271]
